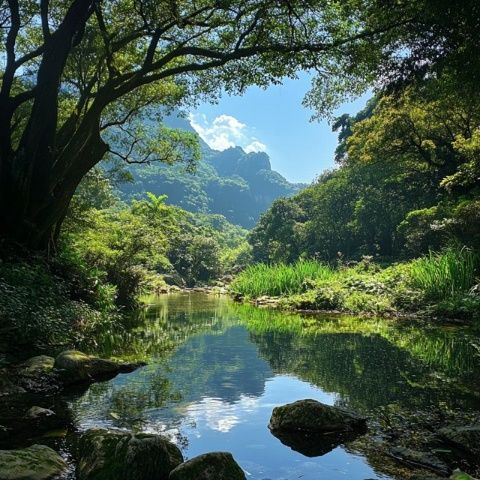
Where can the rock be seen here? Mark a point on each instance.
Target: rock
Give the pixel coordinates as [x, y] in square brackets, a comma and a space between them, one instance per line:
[174, 279]
[36, 375]
[210, 466]
[35, 413]
[77, 367]
[420, 459]
[39, 364]
[43, 419]
[466, 439]
[37, 462]
[115, 455]
[310, 416]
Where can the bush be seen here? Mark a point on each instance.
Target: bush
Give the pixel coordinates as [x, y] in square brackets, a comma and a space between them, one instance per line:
[37, 307]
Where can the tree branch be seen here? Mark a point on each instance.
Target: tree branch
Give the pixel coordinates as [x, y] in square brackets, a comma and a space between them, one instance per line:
[9, 73]
[44, 4]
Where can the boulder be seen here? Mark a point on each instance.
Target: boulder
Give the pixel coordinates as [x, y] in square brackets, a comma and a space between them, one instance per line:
[37, 365]
[77, 367]
[310, 416]
[37, 413]
[466, 439]
[115, 455]
[174, 279]
[36, 375]
[210, 466]
[37, 462]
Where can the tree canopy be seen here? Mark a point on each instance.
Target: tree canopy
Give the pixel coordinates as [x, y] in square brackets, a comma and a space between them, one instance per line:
[76, 75]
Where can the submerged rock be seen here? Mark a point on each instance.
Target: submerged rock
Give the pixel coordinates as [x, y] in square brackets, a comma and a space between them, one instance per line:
[115, 455]
[77, 367]
[37, 462]
[466, 439]
[313, 417]
[421, 459]
[210, 466]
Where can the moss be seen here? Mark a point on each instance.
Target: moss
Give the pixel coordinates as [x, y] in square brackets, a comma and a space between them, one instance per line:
[113, 455]
[37, 462]
[210, 466]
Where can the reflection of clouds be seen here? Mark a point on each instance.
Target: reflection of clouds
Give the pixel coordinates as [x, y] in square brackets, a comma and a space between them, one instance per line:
[219, 415]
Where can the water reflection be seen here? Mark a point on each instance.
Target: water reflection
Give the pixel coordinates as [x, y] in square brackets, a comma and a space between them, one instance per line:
[216, 370]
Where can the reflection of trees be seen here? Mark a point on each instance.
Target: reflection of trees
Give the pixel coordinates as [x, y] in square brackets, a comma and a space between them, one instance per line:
[367, 371]
[125, 402]
[198, 348]
[454, 351]
[221, 364]
[162, 326]
[369, 362]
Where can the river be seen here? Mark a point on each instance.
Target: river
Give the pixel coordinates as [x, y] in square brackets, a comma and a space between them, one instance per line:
[217, 369]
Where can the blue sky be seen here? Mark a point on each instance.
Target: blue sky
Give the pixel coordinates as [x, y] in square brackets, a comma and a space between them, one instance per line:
[275, 121]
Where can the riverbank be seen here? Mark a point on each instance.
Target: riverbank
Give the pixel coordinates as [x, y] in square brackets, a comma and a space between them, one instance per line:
[441, 285]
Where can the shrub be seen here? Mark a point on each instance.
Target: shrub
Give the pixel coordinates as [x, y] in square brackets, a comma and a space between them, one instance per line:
[358, 302]
[37, 308]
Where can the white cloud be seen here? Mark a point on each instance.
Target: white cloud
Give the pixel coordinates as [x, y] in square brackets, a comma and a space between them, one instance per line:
[219, 415]
[225, 132]
[255, 146]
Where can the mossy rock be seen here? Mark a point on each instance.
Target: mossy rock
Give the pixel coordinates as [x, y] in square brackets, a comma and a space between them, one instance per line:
[37, 365]
[311, 416]
[115, 455]
[36, 375]
[77, 367]
[210, 466]
[37, 462]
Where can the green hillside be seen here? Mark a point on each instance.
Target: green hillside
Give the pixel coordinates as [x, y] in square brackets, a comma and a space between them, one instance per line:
[238, 185]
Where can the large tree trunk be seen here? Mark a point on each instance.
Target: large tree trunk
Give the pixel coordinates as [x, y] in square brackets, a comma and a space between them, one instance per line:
[32, 207]
[34, 191]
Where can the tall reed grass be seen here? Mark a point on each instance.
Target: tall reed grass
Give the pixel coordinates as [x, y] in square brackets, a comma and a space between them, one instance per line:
[280, 279]
[447, 274]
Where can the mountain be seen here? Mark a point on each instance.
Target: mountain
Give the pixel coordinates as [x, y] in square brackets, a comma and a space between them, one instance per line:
[233, 183]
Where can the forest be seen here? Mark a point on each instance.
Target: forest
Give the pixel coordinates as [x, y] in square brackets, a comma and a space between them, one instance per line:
[124, 235]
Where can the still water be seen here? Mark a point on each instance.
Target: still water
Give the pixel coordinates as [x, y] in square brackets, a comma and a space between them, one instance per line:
[216, 370]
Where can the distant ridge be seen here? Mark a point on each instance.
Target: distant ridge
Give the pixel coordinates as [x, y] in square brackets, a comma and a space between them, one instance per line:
[233, 183]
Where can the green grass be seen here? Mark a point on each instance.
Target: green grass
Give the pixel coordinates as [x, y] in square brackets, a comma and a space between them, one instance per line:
[280, 279]
[438, 284]
[445, 275]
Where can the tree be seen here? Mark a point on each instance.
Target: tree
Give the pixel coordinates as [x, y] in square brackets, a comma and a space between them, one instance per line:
[77, 73]
[77, 70]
